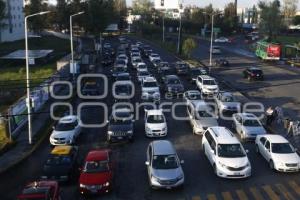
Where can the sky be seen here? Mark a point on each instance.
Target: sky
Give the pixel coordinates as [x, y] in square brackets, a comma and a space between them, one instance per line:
[216, 3]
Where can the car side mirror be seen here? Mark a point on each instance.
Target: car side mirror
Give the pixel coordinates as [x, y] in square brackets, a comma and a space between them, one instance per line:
[247, 151]
[182, 162]
[107, 121]
[53, 127]
[147, 163]
[133, 120]
[212, 151]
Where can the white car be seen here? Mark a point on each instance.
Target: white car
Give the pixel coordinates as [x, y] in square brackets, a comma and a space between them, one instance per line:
[227, 102]
[66, 131]
[278, 152]
[207, 85]
[141, 75]
[135, 61]
[248, 126]
[192, 95]
[225, 153]
[141, 67]
[155, 123]
[201, 116]
[222, 40]
[216, 50]
[163, 165]
[123, 57]
[150, 89]
[153, 56]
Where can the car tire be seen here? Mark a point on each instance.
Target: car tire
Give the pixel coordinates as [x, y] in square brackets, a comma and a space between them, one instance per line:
[271, 165]
[108, 139]
[249, 78]
[215, 169]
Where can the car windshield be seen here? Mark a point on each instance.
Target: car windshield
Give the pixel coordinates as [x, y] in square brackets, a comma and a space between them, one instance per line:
[143, 73]
[196, 72]
[182, 66]
[202, 114]
[150, 84]
[119, 69]
[165, 162]
[120, 89]
[137, 60]
[251, 122]
[90, 86]
[209, 82]
[194, 96]
[282, 148]
[96, 166]
[58, 160]
[121, 62]
[256, 71]
[155, 55]
[142, 66]
[230, 150]
[123, 78]
[65, 126]
[155, 119]
[173, 81]
[120, 118]
[228, 99]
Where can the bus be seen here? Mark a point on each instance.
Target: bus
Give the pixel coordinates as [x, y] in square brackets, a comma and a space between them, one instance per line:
[268, 51]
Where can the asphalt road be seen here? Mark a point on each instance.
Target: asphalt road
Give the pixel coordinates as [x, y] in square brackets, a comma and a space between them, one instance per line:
[131, 182]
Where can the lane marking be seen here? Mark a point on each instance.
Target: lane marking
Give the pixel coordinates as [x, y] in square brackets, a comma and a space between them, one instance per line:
[256, 194]
[227, 196]
[241, 194]
[270, 192]
[211, 197]
[287, 195]
[295, 187]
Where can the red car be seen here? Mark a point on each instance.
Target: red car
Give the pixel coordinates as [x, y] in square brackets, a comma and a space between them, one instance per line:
[48, 190]
[97, 173]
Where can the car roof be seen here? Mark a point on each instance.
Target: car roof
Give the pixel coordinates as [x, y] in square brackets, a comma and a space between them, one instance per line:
[275, 138]
[199, 104]
[155, 112]
[223, 135]
[254, 68]
[163, 147]
[149, 79]
[206, 77]
[226, 94]
[62, 150]
[172, 77]
[97, 155]
[68, 119]
[247, 115]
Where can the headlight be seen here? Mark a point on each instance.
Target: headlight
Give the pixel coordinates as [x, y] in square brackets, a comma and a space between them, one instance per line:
[130, 132]
[148, 129]
[164, 129]
[82, 185]
[154, 179]
[109, 132]
[222, 165]
[180, 177]
[106, 184]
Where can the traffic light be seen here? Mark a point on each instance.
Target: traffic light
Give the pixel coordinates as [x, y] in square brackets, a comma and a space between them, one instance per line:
[162, 2]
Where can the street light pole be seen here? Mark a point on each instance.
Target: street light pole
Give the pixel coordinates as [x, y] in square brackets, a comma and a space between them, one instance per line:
[163, 18]
[71, 40]
[179, 34]
[211, 40]
[28, 102]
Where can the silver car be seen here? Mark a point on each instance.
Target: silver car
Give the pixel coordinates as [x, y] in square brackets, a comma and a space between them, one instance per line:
[163, 165]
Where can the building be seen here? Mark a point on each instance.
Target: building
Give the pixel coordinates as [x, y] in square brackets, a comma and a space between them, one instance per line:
[14, 23]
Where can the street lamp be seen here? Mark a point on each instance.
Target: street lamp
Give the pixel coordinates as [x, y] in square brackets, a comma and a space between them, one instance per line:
[211, 36]
[179, 34]
[163, 18]
[71, 38]
[28, 102]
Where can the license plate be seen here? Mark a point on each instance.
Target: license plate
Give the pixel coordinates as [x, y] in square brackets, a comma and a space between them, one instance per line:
[169, 188]
[120, 138]
[236, 173]
[94, 191]
[257, 75]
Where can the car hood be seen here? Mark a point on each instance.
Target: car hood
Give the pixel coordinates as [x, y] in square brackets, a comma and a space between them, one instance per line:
[156, 126]
[207, 122]
[211, 87]
[150, 89]
[286, 158]
[259, 130]
[175, 85]
[231, 104]
[95, 178]
[57, 170]
[234, 162]
[123, 127]
[62, 134]
[167, 174]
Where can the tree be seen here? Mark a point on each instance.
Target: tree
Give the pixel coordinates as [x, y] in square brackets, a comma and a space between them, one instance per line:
[254, 15]
[120, 12]
[62, 14]
[37, 23]
[229, 20]
[289, 10]
[270, 18]
[143, 8]
[296, 20]
[188, 46]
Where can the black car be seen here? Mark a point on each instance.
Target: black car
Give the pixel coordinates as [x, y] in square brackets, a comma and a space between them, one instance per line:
[173, 84]
[120, 126]
[182, 68]
[61, 164]
[123, 90]
[90, 88]
[117, 70]
[107, 60]
[195, 72]
[222, 62]
[165, 71]
[123, 77]
[253, 73]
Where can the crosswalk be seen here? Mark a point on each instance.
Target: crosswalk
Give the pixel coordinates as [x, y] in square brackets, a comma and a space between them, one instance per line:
[289, 190]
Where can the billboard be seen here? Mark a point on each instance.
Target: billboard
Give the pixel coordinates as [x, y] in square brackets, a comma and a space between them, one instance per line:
[168, 4]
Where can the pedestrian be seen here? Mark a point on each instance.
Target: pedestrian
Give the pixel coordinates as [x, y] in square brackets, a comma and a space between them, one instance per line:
[270, 114]
[279, 114]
